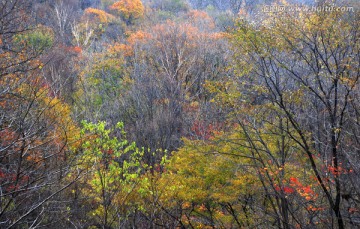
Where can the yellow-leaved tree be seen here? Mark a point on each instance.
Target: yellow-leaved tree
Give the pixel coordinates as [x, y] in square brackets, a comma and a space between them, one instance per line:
[129, 10]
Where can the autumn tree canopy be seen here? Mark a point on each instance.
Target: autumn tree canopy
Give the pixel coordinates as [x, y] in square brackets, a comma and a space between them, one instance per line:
[179, 114]
[129, 10]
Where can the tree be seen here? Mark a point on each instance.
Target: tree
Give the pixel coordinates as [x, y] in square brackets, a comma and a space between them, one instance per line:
[302, 67]
[129, 10]
[35, 127]
[169, 64]
[112, 168]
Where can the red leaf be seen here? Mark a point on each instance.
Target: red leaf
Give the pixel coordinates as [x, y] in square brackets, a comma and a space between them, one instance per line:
[288, 190]
[294, 181]
[308, 190]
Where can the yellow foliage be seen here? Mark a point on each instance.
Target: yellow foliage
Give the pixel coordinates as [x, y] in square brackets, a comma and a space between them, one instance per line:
[129, 9]
[101, 15]
[117, 48]
[65, 129]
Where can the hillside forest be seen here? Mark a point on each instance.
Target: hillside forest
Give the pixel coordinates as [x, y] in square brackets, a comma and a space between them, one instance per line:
[179, 114]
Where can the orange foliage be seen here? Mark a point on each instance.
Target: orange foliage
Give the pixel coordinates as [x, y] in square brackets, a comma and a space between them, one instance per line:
[304, 191]
[199, 15]
[170, 27]
[312, 208]
[216, 36]
[339, 170]
[120, 48]
[288, 190]
[129, 9]
[133, 39]
[138, 36]
[201, 19]
[294, 181]
[102, 16]
[71, 49]
[167, 30]
[193, 32]
[77, 49]
[205, 131]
